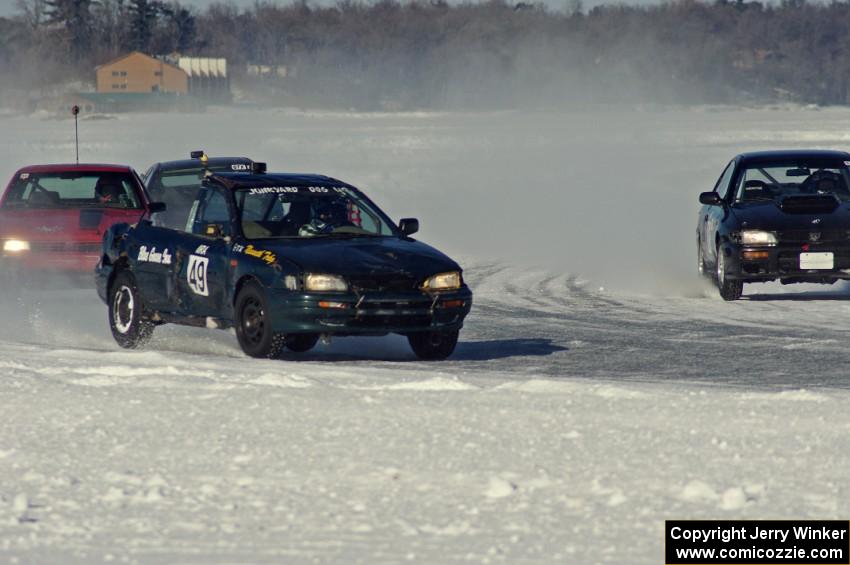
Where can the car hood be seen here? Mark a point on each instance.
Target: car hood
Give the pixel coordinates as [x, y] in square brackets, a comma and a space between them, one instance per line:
[769, 216]
[361, 256]
[77, 224]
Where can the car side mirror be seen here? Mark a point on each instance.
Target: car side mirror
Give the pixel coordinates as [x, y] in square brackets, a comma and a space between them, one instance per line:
[408, 226]
[710, 199]
[155, 207]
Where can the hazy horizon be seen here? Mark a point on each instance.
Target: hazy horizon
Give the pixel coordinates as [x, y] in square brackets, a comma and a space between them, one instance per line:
[8, 7]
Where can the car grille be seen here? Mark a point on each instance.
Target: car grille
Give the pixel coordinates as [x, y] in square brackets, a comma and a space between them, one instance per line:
[384, 283]
[417, 321]
[65, 247]
[813, 235]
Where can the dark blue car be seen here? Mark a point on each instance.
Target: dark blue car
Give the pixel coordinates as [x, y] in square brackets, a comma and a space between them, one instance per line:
[284, 259]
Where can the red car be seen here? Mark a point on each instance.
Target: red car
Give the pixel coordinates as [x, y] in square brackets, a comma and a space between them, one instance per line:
[52, 217]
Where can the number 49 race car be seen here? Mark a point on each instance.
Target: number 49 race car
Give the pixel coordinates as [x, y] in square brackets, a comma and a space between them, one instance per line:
[284, 259]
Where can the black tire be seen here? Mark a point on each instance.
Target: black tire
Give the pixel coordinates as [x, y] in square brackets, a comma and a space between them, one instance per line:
[128, 321]
[729, 289]
[301, 343]
[253, 325]
[433, 346]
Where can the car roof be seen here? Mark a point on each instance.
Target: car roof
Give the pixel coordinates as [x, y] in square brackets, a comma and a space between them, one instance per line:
[74, 168]
[250, 180]
[198, 164]
[793, 154]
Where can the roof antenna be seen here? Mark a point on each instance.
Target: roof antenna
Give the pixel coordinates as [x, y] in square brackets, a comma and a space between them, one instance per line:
[76, 111]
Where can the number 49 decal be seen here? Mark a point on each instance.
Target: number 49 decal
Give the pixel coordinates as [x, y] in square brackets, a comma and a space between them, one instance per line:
[196, 275]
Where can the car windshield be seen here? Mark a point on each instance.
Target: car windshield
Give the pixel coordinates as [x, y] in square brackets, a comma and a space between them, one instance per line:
[775, 181]
[308, 212]
[73, 190]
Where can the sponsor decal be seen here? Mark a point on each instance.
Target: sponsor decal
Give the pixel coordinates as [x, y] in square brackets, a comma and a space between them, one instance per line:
[153, 256]
[202, 250]
[296, 189]
[25, 176]
[196, 275]
[240, 167]
[262, 254]
[49, 229]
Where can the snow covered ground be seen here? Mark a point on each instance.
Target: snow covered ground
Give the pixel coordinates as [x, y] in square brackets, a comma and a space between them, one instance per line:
[598, 390]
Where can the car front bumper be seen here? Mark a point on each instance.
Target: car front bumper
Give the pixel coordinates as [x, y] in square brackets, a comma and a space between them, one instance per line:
[369, 314]
[761, 264]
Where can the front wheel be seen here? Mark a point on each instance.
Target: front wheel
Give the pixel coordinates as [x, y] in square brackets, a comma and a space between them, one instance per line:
[729, 289]
[433, 346]
[253, 324]
[130, 327]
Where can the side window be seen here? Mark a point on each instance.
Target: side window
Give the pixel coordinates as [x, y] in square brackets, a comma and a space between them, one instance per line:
[213, 210]
[722, 186]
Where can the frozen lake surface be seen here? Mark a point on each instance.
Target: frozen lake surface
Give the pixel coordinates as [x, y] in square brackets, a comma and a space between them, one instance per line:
[598, 389]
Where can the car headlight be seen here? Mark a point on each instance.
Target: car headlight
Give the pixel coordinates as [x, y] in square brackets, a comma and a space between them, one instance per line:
[325, 283]
[16, 245]
[443, 281]
[756, 237]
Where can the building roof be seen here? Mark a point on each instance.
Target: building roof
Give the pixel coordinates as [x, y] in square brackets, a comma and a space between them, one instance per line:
[131, 53]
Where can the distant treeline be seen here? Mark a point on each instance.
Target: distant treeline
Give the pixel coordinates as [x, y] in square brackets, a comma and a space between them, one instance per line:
[432, 54]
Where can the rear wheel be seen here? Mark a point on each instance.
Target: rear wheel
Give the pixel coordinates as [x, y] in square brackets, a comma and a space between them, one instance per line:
[130, 326]
[299, 343]
[253, 324]
[433, 346]
[729, 289]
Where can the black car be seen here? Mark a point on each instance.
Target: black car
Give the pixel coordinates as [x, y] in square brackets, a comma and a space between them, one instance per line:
[284, 259]
[176, 182]
[777, 215]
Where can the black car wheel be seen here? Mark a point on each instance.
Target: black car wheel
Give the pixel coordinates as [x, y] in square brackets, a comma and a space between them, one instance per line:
[729, 289]
[253, 325]
[299, 343]
[433, 346]
[130, 327]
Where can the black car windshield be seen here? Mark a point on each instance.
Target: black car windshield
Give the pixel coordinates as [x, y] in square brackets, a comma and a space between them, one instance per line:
[774, 181]
[308, 212]
[73, 190]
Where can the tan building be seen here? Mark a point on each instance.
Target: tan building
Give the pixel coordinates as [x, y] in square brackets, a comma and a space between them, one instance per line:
[137, 72]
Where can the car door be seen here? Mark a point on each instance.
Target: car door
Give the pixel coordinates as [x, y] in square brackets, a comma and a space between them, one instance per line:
[203, 270]
[152, 251]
